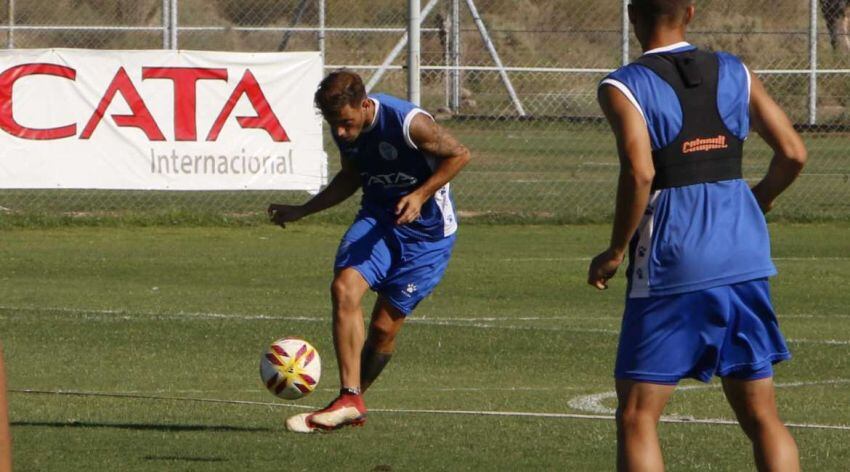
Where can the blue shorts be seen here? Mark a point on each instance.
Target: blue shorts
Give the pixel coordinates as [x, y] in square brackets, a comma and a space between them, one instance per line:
[402, 269]
[729, 331]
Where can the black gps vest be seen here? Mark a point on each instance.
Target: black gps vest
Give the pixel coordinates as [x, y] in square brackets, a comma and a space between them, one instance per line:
[705, 150]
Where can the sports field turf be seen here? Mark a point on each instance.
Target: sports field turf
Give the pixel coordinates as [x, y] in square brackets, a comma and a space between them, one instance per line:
[159, 331]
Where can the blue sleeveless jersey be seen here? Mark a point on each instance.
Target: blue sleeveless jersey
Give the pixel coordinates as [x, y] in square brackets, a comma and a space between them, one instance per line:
[391, 167]
[697, 236]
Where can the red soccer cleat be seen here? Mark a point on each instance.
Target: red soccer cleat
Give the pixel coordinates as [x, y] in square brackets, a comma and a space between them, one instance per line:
[346, 410]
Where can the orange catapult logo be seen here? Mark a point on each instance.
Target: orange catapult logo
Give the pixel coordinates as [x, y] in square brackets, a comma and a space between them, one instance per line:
[704, 144]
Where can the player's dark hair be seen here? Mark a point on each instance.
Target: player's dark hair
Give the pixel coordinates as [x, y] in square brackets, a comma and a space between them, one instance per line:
[662, 9]
[338, 89]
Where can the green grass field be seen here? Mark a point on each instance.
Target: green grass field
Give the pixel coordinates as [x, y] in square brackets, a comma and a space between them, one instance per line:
[154, 334]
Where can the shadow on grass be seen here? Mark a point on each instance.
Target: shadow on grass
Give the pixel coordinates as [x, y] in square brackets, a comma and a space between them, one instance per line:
[172, 428]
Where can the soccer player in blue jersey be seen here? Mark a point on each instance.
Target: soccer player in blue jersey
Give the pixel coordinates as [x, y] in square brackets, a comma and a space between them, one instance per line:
[698, 301]
[401, 240]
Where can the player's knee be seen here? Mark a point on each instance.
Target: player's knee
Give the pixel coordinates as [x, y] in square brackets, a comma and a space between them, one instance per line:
[754, 420]
[632, 419]
[382, 337]
[345, 296]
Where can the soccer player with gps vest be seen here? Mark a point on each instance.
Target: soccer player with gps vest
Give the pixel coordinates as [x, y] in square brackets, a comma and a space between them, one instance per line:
[698, 302]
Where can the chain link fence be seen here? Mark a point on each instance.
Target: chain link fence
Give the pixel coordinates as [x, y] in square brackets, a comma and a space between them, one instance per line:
[515, 80]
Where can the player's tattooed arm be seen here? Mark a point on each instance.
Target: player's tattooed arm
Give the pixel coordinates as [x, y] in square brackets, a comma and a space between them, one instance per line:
[343, 185]
[790, 155]
[635, 182]
[451, 156]
[434, 139]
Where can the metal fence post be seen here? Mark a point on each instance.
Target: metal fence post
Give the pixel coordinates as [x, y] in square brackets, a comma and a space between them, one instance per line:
[166, 18]
[414, 51]
[174, 25]
[382, 69]
[454, 104]
[624, 41]
[446, 36]
[322, 28]
[813, 62]
[10, 39]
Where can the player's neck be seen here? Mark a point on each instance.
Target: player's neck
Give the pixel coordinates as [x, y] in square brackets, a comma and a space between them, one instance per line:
[660, 39]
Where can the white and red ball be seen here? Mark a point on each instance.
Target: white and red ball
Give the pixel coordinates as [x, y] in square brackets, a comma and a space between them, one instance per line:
[290, 368]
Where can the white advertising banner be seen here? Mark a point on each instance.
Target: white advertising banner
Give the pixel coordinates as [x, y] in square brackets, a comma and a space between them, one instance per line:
[160, 120]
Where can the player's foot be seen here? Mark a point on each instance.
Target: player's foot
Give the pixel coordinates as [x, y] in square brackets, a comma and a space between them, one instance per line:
[346, 410]
[298, 423]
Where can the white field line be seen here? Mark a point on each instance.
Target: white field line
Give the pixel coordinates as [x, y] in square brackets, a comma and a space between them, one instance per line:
[587, 259]
[593, 403]
[523, 318]
[260, 388]
[130, 314]
[520, 414]
[544, 259]
[824, 174]
[434, 322]
[122, 315]
[475, 323]
[828, 342]
[812, 258]
[599, 164]
[558, 181]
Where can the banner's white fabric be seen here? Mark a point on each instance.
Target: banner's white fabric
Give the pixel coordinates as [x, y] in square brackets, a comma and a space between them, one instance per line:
[160, 120]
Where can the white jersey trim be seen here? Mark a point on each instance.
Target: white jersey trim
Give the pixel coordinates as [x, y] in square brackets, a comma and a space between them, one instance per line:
[375, 119]
[628, 93]
[671, 47]
[408, 120]
[749, 91]
[444, 203]
[643, 251]
[443, 196]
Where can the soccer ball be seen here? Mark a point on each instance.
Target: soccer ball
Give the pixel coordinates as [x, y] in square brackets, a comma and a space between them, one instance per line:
[290, 368]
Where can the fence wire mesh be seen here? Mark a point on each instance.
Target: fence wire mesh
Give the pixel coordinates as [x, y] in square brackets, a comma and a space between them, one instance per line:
[541, 150]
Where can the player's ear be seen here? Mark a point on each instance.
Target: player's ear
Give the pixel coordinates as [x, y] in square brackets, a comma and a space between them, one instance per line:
[690, 12]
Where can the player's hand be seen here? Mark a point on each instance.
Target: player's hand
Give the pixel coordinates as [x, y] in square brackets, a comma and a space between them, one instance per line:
[282, 214]
[408, 208]
[603, 268]
[764, 202]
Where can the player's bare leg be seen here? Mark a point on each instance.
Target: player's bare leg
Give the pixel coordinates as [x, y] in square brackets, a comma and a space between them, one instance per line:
[347, 291]
[754, 402]
[386, 323]
[5, 435]
[639, 408]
